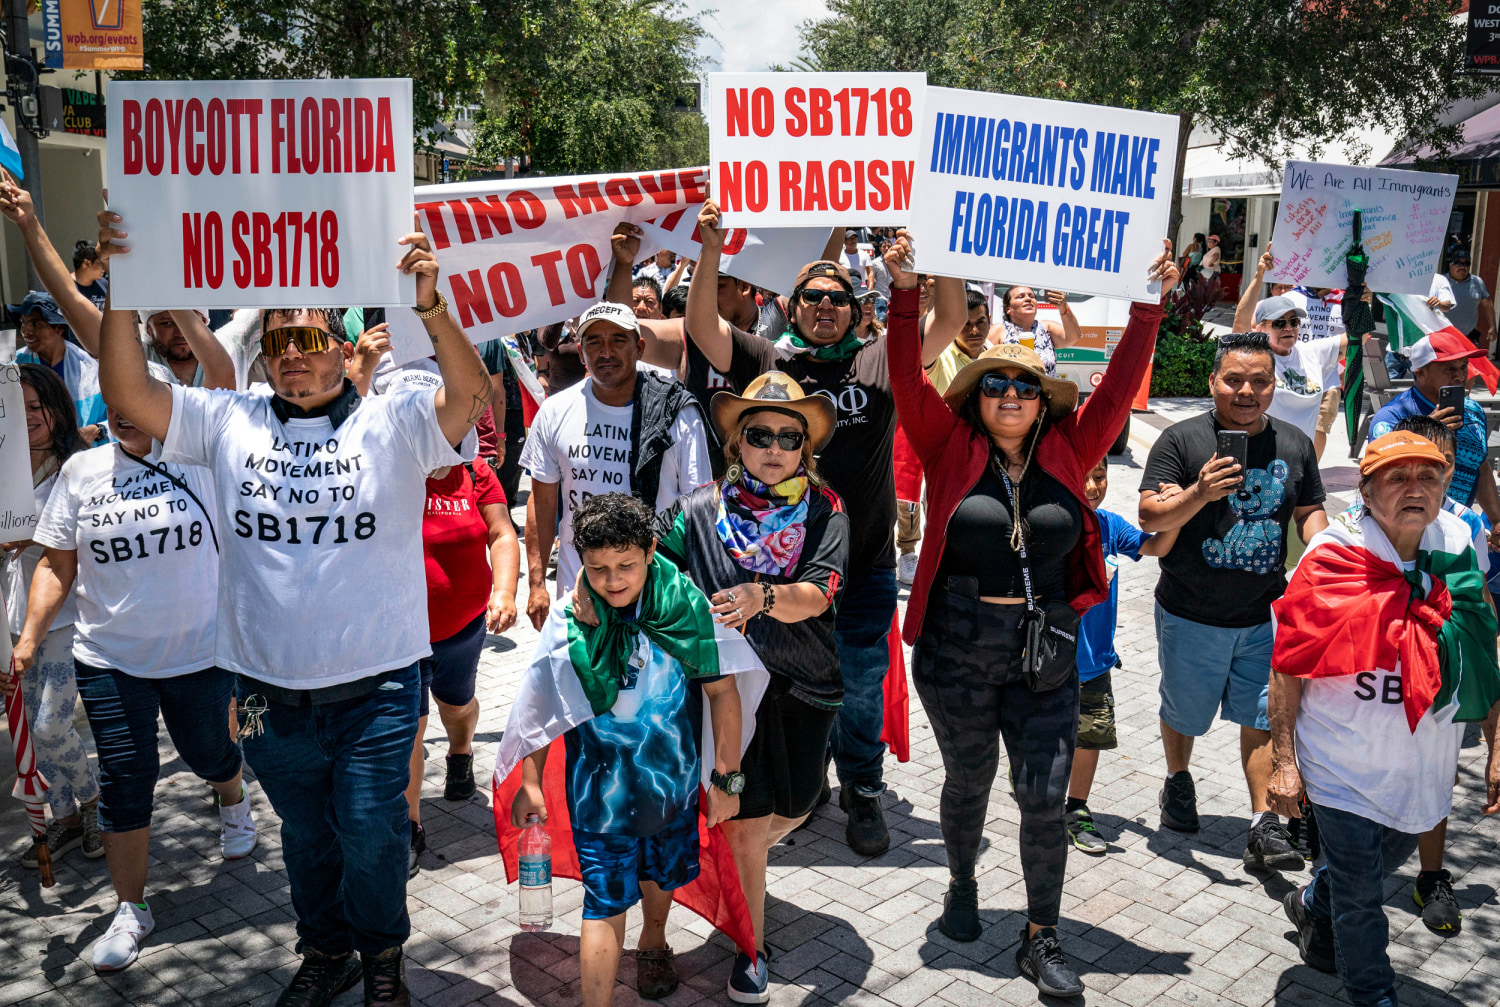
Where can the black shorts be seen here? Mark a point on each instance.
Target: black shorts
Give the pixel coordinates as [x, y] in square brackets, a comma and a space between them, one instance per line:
[450, 672]
[786, 765]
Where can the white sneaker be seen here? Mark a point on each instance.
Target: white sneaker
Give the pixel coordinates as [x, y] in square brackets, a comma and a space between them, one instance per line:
[121, 943]
[906, 568]
[237, 838]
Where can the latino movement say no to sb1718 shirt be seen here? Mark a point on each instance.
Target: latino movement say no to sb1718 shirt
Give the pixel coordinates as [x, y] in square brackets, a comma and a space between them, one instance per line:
[307, 512]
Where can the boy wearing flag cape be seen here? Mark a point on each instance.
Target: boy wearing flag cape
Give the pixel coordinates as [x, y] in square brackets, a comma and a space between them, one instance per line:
[623, 700]
[1385, 647]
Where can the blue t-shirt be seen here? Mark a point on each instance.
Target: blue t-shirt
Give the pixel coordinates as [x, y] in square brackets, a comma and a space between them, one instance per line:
[633, 770]
[1473, 438]
[1096, 633]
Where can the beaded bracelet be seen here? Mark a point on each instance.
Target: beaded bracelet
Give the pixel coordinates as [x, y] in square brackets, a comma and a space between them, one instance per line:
[769, 599]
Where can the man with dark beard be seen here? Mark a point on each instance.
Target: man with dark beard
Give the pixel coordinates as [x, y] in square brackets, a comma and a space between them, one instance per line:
[181, 342]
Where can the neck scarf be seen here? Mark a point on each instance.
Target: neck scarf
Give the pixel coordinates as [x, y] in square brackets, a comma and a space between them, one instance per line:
[670, 611]
[791, 344]
[764, 527]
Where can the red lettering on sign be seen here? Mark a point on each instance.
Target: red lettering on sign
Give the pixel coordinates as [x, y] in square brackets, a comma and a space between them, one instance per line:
[239, 229]
[796, 122]
[385, 143]
[791, 186]
[762, 112]
[311, 142]
[461, 219]
[880, 193]
[586, 200]
[814, 192]
[332, 149]
[364, 135]
[584, 269]
[489, 215]
[215, 136]
[821, 103]
[506, 289]
[623, 192]
[737, 111]
[191, 129]
[694, 185]
[757, 189]
[902, 172]
[174, 129]
[132, 137]
[528, 211]
[436, 230]
[547, 262]
[471, 299]
[155, 149]
[840, 175]
[260, 242]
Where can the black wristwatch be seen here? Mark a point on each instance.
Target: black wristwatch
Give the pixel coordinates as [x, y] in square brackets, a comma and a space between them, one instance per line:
[731, 783]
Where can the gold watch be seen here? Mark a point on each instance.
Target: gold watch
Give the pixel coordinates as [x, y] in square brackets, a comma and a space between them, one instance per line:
[437, 309]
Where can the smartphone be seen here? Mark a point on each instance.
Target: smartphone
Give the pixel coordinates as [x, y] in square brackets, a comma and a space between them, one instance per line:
[1235, 444]
[374, 316]
[1452, 397]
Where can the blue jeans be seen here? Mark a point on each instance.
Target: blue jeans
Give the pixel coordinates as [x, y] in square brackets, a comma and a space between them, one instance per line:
[336, 774]
[1349, 889]
[864, 620]
[122, 716]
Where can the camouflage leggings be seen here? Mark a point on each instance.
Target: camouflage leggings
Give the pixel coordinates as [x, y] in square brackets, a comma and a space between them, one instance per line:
[966, 670]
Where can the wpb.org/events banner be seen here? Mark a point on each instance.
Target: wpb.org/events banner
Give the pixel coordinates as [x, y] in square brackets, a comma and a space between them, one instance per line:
[1049, 193]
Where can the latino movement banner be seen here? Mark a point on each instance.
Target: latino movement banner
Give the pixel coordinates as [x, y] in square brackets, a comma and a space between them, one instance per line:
[1050, 193]
[261, 193]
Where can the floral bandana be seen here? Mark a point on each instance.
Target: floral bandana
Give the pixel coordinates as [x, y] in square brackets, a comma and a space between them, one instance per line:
[764, 527]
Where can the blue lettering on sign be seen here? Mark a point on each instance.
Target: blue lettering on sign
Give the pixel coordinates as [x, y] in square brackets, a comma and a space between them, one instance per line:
[52, 40]
[1082, 237]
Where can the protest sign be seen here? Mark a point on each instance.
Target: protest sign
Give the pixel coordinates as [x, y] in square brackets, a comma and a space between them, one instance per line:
[1403, 215]
[814, 149]
[17, 509]
[1050, 193]
[766, 257]
[523, 253]
[261, 193]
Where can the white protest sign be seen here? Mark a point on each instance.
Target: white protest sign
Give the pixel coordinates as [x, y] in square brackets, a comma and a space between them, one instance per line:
[813, 149]
[260, 193]
[767, 257]
[1404, 215]
[522, 253]
[1050, 193]
[17, 508]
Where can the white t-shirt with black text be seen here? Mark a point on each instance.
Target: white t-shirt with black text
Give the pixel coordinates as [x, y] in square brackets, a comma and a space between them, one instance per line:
[148, 572]
[309, 516]
[1301, 378]
[583, 445]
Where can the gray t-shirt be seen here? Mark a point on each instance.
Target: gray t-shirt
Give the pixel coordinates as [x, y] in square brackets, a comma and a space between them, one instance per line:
[1466, 297]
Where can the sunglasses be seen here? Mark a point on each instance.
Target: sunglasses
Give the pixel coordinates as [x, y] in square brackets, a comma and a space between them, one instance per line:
[1286, 323]
[996, 385]
[760, 437]
[840, 298]
[309, 339]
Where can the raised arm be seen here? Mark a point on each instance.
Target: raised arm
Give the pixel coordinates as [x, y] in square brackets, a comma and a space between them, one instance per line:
[704, 326]
[218, 366]
[676, 276]
[925, 417]
[81, 314]
[1069, 331]
[941, 325]
[833, 248]
[123, 378]
[624, 245]
[1244, 312]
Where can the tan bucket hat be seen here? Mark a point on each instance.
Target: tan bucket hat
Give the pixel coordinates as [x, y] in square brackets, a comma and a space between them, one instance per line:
[1061, 396]
[778, 392]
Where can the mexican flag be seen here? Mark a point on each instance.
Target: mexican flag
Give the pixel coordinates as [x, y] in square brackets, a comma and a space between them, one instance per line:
[1349, 608]
[553, 699]
[531, 389]
[1410, 319]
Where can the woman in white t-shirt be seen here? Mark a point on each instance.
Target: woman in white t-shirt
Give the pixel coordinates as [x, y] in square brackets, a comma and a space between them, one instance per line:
[48, 689]
[1304, 370]
[136, 539]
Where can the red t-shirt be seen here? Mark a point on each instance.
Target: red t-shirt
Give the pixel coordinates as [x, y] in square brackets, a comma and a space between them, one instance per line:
[455, 546]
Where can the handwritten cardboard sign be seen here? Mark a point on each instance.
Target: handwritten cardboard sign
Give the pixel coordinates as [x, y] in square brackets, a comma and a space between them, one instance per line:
[17, 508]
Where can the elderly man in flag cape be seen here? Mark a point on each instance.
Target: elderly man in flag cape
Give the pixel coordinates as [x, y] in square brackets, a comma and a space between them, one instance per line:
[1385, 648]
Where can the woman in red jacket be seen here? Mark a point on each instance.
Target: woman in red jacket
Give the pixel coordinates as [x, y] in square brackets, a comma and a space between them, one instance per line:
[994, 608]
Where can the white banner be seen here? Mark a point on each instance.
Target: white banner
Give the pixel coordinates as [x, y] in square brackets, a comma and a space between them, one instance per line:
[1049, 193]
[17, 509]
[260, 193]
[1404, 215]
[768, 257]
[814, 149]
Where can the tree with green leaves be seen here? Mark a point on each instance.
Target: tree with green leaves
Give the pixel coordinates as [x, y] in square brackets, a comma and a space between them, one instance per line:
[1266, 76]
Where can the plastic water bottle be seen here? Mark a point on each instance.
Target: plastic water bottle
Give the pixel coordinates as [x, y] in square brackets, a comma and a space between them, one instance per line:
[535, 850]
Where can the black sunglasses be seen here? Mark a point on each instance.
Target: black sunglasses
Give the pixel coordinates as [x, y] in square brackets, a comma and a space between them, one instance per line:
[840, 298]
[760, 437]
[309, 339]
[995, 385]
[1286, 323]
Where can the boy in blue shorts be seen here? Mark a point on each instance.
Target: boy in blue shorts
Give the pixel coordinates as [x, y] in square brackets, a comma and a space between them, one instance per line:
[1096, 657]
[633, 770]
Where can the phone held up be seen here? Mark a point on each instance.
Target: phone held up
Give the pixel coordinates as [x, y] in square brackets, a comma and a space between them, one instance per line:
[1452, 397]
[1235, 444]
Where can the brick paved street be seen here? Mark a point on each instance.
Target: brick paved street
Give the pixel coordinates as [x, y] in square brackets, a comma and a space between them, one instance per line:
[1163, 918]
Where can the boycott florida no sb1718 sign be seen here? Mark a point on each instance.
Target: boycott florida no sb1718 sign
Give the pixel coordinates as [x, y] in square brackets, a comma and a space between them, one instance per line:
[261, 193]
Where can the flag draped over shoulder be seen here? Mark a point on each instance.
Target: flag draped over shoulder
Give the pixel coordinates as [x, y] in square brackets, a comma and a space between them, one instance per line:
[552, 700]
[1414, 320]
[1349, 607]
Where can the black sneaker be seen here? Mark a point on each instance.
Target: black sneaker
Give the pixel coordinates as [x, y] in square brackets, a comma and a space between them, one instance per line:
[1269, 847]
[385, 978]
[1041, 960]
[418, 847]
[1179, 803]
[1084, 833]
[1314, 936]
[320, 978]
[866, 832]
[459, 783]
[1434, 893]
[749, 981]
[960, 919]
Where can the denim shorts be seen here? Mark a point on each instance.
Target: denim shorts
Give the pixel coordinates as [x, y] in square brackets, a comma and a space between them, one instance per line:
[450, 672]
[613, 867]
[1212, 669]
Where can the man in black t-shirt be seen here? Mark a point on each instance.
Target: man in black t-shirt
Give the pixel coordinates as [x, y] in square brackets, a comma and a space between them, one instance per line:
[1213, 601]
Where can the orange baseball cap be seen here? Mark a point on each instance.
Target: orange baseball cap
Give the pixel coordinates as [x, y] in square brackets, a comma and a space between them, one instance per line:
[1400, 446]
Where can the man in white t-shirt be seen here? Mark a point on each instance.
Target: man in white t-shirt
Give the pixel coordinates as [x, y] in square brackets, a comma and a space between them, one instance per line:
[620, 430]
[320, 494]
[858, 262]
[1304, 371]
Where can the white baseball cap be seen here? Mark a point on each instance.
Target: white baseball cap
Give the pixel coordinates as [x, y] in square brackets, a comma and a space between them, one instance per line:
[608, 311]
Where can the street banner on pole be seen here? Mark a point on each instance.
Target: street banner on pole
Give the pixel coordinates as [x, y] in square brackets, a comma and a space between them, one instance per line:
[1048, 193]
[92, 34]
[17, 508]
[1404, 216]
[814, 149]
[261, 193]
